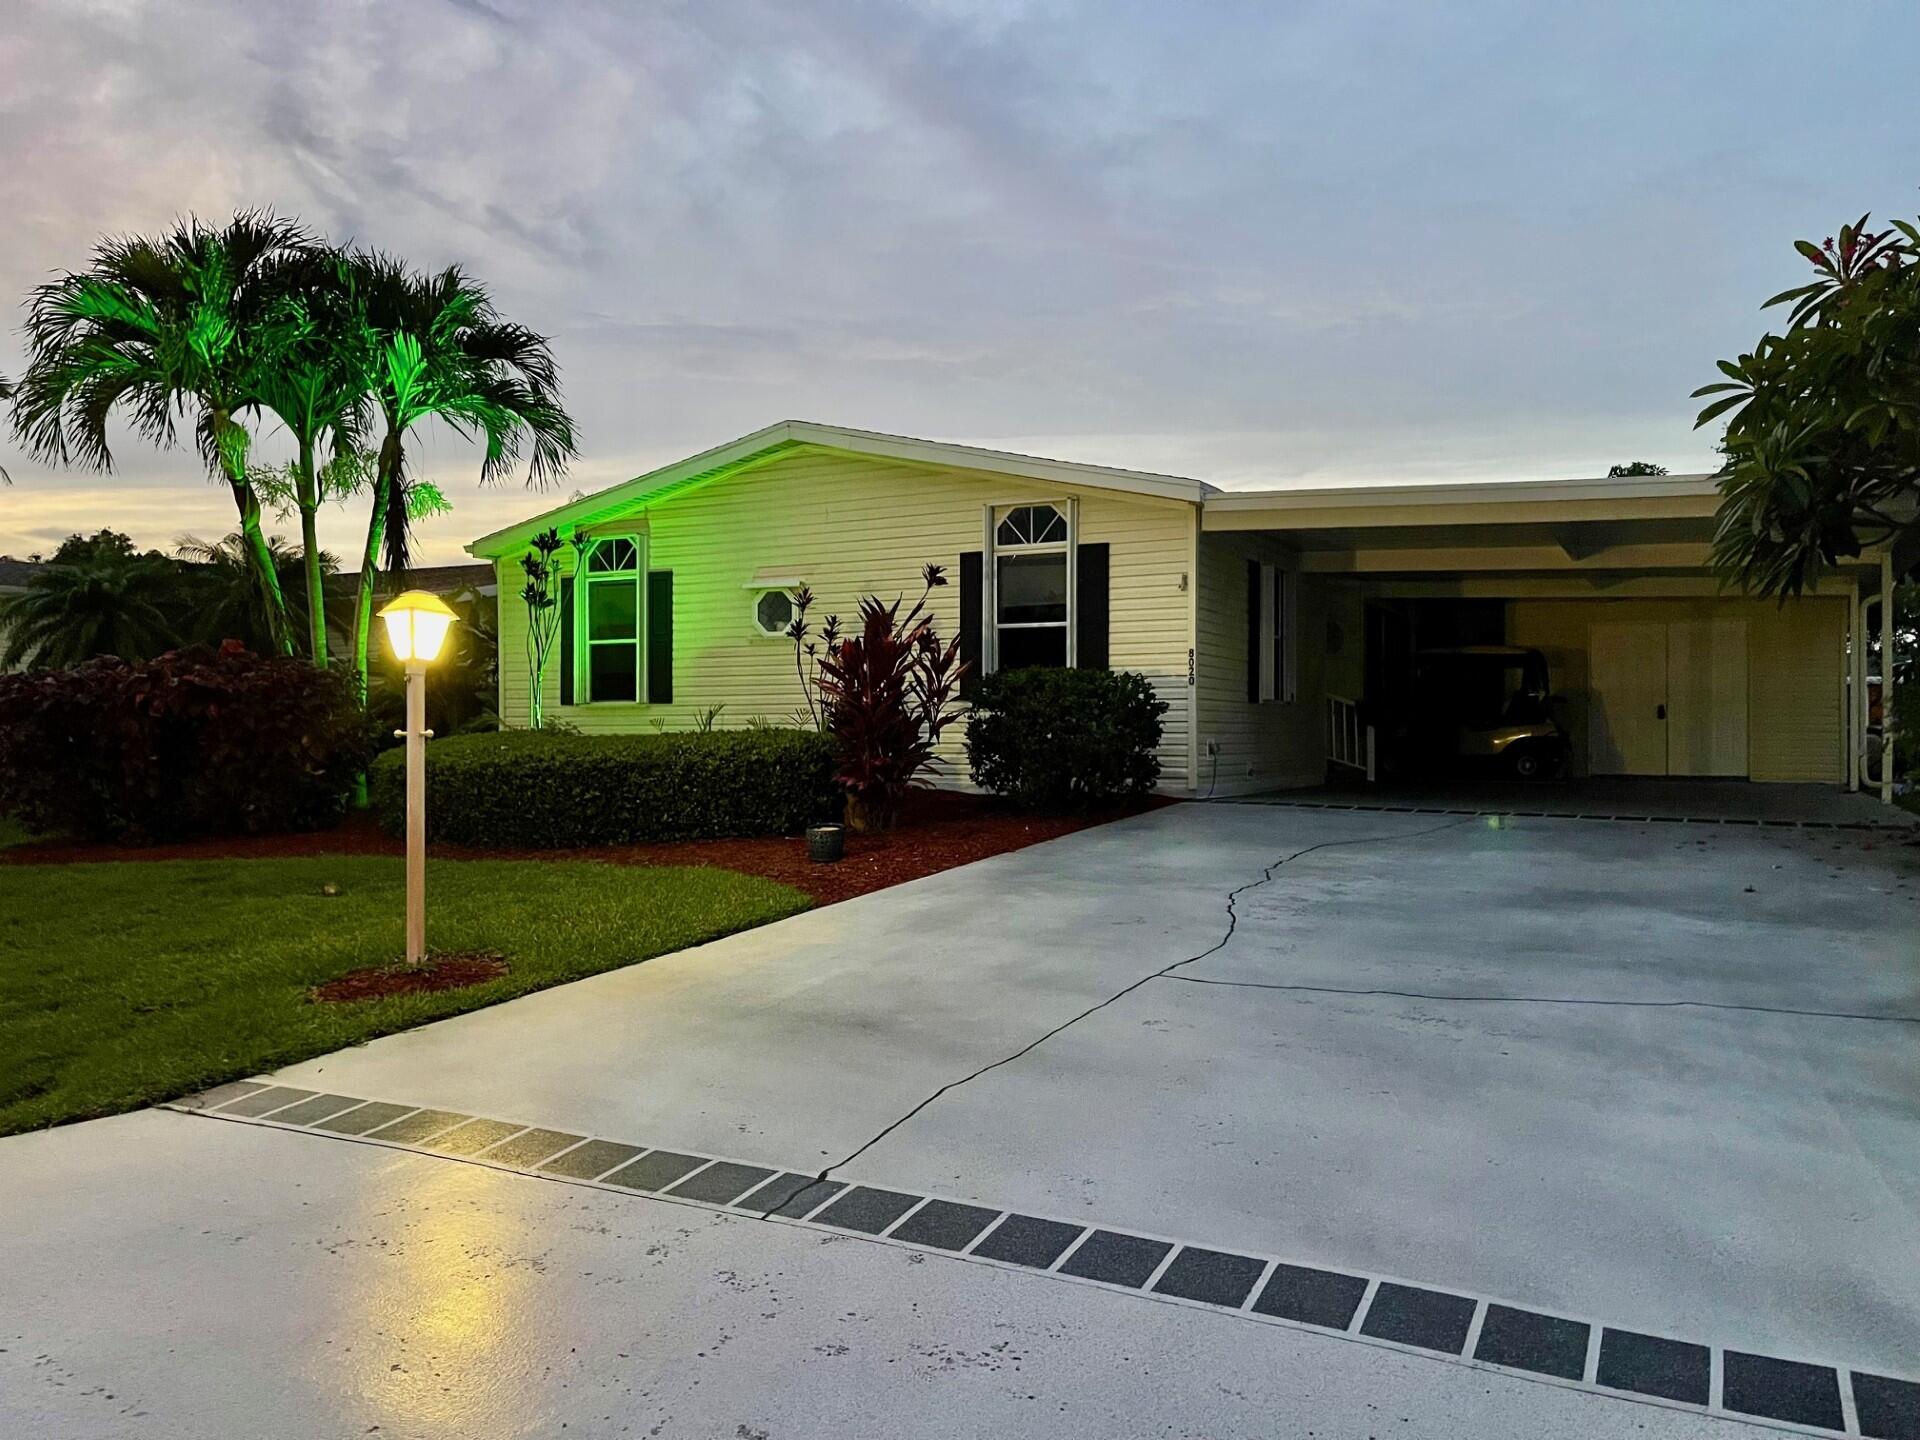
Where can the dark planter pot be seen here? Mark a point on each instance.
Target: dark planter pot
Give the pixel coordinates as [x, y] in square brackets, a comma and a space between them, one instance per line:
[826, 843]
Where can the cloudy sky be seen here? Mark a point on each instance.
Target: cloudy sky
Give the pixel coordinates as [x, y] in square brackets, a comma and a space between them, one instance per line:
[1260, 242]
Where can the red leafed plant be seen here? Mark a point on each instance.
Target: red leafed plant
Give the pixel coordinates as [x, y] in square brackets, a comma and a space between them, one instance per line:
[889, 690]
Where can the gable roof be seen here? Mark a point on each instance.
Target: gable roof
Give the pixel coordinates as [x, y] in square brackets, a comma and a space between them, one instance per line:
[777, 439]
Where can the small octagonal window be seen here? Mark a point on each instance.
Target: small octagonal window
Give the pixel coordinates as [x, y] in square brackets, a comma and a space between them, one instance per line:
[773, 612]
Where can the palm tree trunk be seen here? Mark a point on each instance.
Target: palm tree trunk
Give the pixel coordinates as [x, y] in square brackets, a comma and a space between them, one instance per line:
[386, 474]
[273, 602]
[363, 594]
[309, 499]
[230, 443]
[369, 569]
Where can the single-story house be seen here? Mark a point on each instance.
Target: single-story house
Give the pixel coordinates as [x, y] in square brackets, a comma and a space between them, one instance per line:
[1259, 615]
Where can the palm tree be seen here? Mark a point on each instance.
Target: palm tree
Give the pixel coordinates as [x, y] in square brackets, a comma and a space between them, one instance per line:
[156, 328]
[219, 579]
[106, 604]
[313, 377]
[439, 349]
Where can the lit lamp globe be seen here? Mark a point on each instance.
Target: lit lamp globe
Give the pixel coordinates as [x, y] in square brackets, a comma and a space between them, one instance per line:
[417, 626]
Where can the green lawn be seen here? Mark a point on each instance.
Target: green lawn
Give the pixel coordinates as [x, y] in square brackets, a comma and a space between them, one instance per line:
[124, 984]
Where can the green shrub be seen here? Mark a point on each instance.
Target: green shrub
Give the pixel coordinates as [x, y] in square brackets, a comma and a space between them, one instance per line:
[197, 742]
[1061, 739]
[536, 789]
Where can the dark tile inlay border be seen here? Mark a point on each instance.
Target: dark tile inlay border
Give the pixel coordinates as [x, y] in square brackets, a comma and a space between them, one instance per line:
[782, 1189]
[261, 1101]
[655, 1170]
[1763, 1386]
[1654, 1365]
[1213, 1276]
[1117, 1259]
[1314, 1297]
[1028, 1240]
[369, 1117]
[1780, 1389]
[945, 1225]
[591, 1160]
[867, 1209]
[1888, 1409]
[474, 1136]
[320, 1107]
[791, 1195]
[420, 1125]
[221, 1094]
[530, 1147]
[1544, 1344]
[721, 1182]
[1430, 1319]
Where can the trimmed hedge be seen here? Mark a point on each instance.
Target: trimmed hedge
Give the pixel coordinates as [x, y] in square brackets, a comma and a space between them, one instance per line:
[197, 742]
[1053, 739]
[536, 789]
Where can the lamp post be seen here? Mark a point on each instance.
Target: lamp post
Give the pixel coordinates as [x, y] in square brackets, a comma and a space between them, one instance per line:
[416, 629]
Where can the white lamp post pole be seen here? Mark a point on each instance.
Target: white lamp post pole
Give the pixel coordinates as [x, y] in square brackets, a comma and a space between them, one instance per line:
[417, 737]
[416, 627]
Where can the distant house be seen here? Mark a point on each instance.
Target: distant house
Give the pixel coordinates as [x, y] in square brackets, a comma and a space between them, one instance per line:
[1265, 618]
[14, 575]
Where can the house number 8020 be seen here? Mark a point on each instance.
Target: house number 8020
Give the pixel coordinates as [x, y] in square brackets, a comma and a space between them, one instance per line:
[1192, 673]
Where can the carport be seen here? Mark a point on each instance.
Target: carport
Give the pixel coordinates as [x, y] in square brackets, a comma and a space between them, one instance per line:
[1664, 673]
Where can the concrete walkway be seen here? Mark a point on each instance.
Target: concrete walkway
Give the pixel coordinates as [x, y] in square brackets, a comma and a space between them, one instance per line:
[1653, 1077]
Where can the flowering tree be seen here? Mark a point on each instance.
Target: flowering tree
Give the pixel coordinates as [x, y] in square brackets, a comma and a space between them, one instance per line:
[1823, 422]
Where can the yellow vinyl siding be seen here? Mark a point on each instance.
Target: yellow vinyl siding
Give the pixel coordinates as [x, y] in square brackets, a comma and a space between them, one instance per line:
[1268, 744]
[848, 526]
[1795, 698]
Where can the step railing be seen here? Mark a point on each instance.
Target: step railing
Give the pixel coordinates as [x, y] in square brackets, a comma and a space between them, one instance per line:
[1350, 741]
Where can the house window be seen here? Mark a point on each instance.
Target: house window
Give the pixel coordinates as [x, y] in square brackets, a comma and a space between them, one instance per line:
[773, 612]
[1032, 587]
[1276, 643]
[610, 627]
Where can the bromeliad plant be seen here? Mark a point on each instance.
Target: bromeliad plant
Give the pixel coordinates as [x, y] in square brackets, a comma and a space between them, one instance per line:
[887, 693]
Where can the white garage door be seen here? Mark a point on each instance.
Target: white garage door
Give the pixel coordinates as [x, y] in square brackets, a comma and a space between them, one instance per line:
[1668, 697]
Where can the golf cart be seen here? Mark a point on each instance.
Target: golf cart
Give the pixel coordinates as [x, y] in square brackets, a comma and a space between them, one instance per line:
[1478, 707]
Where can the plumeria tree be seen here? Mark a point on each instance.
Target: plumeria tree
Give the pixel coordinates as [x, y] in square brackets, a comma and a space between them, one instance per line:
[1822, 438]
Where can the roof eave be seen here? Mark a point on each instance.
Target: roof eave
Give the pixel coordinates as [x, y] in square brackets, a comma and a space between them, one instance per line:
[789, 433]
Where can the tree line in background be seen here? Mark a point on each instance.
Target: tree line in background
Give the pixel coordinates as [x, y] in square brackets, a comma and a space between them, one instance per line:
[223, 328]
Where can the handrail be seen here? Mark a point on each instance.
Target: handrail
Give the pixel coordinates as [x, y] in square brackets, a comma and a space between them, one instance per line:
[1349, 742]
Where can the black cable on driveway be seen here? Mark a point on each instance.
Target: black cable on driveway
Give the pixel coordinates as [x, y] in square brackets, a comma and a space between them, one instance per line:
[1551, 1000]
[1233, 922]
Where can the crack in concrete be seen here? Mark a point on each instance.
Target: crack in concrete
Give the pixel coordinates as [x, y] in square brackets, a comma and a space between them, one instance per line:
[1553, 1000]
[1267, 874]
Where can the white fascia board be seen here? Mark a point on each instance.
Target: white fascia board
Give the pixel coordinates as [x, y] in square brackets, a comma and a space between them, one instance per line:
[904, 448]
[1481, 492]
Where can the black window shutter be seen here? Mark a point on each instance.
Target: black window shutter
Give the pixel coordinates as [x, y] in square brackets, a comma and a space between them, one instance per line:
[1253, 630]
[970, 621]
[1090, 607]
[659, 637]
[564, 639]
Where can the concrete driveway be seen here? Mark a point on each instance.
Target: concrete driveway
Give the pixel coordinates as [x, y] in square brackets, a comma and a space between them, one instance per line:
[1631, 1080]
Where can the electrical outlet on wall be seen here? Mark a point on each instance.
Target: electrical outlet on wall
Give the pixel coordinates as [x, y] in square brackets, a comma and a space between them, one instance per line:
[1213, 749]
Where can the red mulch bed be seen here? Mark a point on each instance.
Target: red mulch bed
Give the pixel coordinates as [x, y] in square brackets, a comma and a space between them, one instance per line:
[939, 830]
[439, 972]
